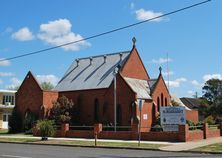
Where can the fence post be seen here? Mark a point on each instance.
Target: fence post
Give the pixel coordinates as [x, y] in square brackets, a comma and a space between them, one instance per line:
[205, 130]
[98, 128]
[64, 129]
[183, 133]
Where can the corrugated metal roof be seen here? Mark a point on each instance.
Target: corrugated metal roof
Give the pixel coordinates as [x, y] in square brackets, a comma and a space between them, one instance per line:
[141, 87]
[92, 72]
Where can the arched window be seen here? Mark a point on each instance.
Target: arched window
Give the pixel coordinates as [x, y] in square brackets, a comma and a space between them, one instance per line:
[162, 99]
[119, 115]
[158, 103]
[96, 110]
[153, 114]
[166, 102]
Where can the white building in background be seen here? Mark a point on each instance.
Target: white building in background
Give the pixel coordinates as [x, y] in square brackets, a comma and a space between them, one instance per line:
[7, 103]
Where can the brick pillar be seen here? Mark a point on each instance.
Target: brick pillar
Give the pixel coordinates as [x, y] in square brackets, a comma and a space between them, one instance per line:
[135, 127]
[183, 133]
[205, 130]
[98, 128]
[64, 129]
[221, 129]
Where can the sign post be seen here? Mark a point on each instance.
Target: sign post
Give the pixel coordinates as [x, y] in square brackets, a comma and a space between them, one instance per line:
[140, 108]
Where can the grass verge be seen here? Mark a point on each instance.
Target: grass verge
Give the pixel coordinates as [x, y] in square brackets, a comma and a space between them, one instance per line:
[210, 148]
[83, 143]
[21, 140]
[105, 144]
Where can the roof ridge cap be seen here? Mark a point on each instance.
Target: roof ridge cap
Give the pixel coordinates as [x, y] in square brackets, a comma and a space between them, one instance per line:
[108, 54]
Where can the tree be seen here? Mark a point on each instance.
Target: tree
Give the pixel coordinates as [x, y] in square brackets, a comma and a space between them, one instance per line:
[62, 110]
[212, 90]
[15, 122]
[212, 94]
[175, 103]
[46, 86]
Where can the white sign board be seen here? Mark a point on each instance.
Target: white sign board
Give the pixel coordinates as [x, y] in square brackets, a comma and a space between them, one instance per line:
[170, 128]
[171, 117]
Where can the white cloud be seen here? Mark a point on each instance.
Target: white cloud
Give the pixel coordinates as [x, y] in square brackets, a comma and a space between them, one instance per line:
[4, 62]
[168, 73]
[142, 14]
[212, 76]
[176, 83]
[59, 32]
[48, 78]
[132, 5]
[195, 83]
[1, 82]
[161, 60]
[14, 83]
[6, 74]
[24, 34]
[190, 93]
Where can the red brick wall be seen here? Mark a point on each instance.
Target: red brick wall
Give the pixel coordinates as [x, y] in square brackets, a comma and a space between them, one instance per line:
[80, 134]
[134, 67]
[85, 100]
[192, 115]
[146, 110]
[213, 133]
[160, 136]
[195, 135]
[161, 88]
[125, 98]
[29, 96]
[48, 98]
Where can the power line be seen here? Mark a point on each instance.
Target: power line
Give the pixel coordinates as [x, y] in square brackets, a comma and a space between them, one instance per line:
[107, 32]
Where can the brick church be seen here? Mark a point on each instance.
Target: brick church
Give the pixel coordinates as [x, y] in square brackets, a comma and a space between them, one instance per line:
[89, 82]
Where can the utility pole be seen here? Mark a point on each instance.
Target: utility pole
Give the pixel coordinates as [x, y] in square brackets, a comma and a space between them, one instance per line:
[115, 73]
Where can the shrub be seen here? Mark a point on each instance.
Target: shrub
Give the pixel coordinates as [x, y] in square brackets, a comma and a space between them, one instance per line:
[15, 122]
[46, 128]
[62, 110]
[157, 128]
[210, 120]
[191, 124]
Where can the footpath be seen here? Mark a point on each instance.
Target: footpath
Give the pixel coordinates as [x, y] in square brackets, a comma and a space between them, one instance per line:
[192, 144]
[168, 146]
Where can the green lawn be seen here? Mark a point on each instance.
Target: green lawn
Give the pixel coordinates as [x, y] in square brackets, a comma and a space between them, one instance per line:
[211, 148]
[83, 143]
[106, 144]
[4, 132]
[21, 140]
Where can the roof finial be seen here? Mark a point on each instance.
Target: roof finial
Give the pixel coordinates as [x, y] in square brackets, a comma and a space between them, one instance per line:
[134, 41]
[160, 68]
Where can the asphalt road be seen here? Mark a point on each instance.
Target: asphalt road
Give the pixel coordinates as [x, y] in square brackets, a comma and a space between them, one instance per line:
[39, 151]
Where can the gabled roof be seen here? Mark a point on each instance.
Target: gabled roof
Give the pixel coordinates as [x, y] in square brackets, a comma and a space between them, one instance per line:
[92, 72]
[178, 100]
[152, 84]
[140, 87]
[192, 103]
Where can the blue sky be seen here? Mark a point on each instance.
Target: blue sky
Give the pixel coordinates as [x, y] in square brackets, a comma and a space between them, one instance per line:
[191, 38]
